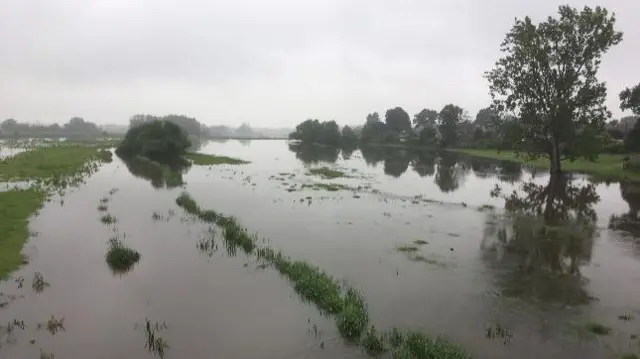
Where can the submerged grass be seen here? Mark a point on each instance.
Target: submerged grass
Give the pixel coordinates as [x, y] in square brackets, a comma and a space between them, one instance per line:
[597, 328]
[327, 172]
[121, 258]
[16, 207]
[202, 159]
[345, 304]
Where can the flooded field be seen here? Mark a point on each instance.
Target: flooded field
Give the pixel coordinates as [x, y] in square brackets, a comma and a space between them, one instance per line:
[418, 234]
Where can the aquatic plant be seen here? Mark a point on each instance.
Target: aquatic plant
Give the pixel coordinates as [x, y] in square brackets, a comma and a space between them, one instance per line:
[102, 208]
[203, 159]
[46, 355]
[327, 172]
[407, 248]
[39, 284]
[420, 242]
[353, 318]
[597, 328]
[53, 325]
[154, 342]
[108, 219]
[373, 343]
[119, 257]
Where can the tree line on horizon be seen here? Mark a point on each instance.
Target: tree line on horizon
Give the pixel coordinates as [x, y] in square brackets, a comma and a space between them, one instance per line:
[547, 99]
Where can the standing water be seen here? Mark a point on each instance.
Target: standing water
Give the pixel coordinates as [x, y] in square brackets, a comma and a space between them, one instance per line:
[423, 236]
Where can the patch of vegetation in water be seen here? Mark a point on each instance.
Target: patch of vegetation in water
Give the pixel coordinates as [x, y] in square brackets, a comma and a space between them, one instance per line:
[102, 208]
[16, 207]
[57, 165]
[326, 172]
[407, 248]
[420, 242]
[597, 328]
[108, 219]
[331, 187]
[345, 304]
[154, 342]
[202, 159]
[119, 257]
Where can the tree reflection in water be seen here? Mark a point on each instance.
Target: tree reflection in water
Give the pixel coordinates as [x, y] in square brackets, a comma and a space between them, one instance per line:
[630, 221]
[312, 154]
[536, 247]
[160, 175]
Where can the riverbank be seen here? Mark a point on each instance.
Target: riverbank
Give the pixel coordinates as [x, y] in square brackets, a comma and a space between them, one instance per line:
[605, 167]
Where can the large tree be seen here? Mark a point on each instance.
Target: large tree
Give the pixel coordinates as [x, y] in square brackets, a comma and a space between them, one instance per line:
[547, 79]
[397, 120]
[373, 129]
[449, 118]
[630, 99]
[425, 118]
[486, 119]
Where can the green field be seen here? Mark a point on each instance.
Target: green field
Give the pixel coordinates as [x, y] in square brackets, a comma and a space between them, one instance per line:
[607, 166]
[15, 209]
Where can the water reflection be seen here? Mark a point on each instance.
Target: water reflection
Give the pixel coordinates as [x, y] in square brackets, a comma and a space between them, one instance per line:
[311, 154]
[160, 175]
[630, 221]
[535, 249]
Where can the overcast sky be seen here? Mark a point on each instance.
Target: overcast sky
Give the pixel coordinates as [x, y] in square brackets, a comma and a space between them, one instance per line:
[266, 62]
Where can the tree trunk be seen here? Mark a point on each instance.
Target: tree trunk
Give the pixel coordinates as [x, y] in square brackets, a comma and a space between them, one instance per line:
[556, 166]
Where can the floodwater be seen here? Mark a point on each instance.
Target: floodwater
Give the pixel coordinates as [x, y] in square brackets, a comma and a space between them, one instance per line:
[476, 269]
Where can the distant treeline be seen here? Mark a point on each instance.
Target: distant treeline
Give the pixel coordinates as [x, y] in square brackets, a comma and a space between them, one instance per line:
[450, 127]
[78, 127]
[75, 127]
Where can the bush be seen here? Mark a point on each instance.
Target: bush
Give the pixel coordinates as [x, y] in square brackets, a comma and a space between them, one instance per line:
[157, 140]
[121, 258]
[632, 163]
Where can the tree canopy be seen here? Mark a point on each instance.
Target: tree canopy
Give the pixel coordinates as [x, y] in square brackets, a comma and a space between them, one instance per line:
[314, 131]
[397, 120]
[373, 129]
[449, 118]
[547, 80]
[188, 124]
[630, 99]
[425, 118]
[158, 140]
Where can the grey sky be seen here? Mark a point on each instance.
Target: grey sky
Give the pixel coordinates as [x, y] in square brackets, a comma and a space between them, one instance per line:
[270, 63]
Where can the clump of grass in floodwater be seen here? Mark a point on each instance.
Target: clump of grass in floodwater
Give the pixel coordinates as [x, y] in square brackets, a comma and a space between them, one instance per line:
[46, 355]
[16, 207]
[39, 284]
[102, 208]
[497, 331]
[202, 159]
[53, 325]
[407, 248]
[154, 342]
[104, 200]
[373, 343]
[354, 317]
[327, 172]
[629, 356]
[420, 242]
[414, 344]
[597, 328]
[121, 258]
[188, 204]
[108, 219]
[626, 317]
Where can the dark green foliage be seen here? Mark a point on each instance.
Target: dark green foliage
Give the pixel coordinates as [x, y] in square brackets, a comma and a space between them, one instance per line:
[630, 99]
[76, 127]
[314, 131]
[353, 318]
[167, 174]
[373, 129]
[547, 80]
[632, 141]
[597, 328]
[449, 118]
[428, 136]
[188, 124]
[425, 118]
[327, 172]
[397, 120]
[188, 204]
[121, 258]
[157, 140]
[348, 136]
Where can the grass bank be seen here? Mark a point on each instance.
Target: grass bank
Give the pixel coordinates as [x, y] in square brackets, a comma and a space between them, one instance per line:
[16, 207]
[345, 304]
[607, 166]
[202, 159]
[57, 163]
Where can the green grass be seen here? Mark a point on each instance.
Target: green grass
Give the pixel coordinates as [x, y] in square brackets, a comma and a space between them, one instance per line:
[407, 248]
[108, 219]
[597, 328]
[327, 172]
[420, 242]
[119, 257]
[202, 159]
[331, 187]
[53, 162]
[607, 166]
[16, 207]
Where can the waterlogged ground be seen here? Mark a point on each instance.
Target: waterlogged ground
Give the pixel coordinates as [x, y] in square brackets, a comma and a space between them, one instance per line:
[414, 232]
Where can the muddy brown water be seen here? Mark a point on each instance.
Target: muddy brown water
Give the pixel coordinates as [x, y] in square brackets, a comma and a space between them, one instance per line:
[217, 304]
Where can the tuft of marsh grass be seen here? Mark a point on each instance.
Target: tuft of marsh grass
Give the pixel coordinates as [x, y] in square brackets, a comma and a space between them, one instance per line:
[327, 172]
[103, 208]
[16, 207]
[39, 284]
[188, 204]
[46, 355]
[626, 317]
[629, 356]
[202, 159]
[373, 343]
[420, 242]
[154, 342]
[53, 325]
[353, 318]
[119, 257]
[407, 248]
[108, 219]
[597, 328]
